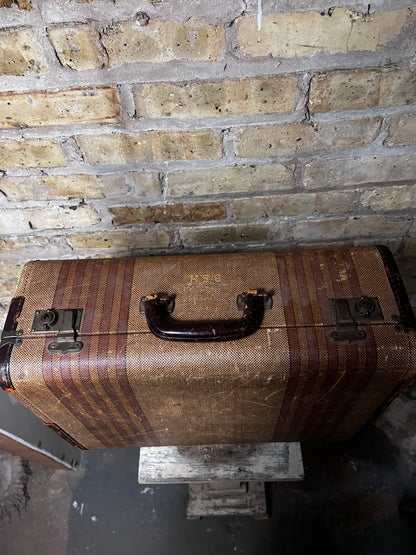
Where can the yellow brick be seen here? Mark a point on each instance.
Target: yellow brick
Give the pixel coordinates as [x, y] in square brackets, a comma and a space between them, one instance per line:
[120, 148]
[229, 234]
[31, 153]
[20, 189]
[22, 4]
[10, 269]
[169, 213]
[263, 95]
[301, 204]
[22, 243]
[57, 217]
[389, 198]
[37, 108]
[122, 239]
[20, 53]
[341, 228]
[78, 47]
[51, 217]
[402, 130]
[235, 179]
[362, 88]
[146, 184]
[163, 41]
[303, 34]
[342, 172]
[305, 137]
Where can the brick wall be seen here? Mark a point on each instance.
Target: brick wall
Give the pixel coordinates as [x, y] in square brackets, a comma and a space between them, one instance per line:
[137, 126]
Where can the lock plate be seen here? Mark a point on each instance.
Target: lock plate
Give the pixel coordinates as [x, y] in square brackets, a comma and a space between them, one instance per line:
[349, 313]
[66, 322]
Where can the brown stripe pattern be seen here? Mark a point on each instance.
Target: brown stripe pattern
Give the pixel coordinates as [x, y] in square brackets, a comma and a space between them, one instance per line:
[325, 377]
[328, 356]
[362, 357]
[339, 356]
[87, 383]
[148, 437]
[294, 348]
[57, 369]
[312, 371]
[287, 382]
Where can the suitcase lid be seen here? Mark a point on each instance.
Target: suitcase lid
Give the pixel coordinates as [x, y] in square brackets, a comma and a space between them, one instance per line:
[342, 289]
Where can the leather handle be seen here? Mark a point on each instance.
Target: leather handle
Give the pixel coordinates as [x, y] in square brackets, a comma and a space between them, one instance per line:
[157, 308]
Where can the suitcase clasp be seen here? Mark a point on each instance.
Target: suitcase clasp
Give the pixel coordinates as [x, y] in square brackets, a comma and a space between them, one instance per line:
[349, 313]
[64, 321]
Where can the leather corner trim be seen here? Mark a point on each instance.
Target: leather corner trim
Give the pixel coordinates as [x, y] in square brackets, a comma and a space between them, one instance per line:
[397, 286]
[10, 325]
[64, 435]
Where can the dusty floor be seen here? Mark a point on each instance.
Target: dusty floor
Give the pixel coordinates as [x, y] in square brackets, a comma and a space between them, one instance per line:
[348, 503]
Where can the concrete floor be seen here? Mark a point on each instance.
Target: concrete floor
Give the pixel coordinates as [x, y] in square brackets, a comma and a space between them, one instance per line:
[348, 503]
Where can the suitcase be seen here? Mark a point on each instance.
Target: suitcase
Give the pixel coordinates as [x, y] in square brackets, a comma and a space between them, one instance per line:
[209, 349]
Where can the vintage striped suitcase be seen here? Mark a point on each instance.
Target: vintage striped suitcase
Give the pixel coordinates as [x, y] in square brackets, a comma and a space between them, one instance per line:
[154, 351]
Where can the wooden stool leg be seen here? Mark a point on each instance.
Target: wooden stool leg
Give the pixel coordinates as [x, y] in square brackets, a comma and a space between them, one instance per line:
[227, 499]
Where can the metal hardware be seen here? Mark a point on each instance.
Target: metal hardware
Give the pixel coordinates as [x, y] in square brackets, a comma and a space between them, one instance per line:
[348, 314]
[66, 322]
[11, 338]
[365, 306]
[268, 300]
[163, 299]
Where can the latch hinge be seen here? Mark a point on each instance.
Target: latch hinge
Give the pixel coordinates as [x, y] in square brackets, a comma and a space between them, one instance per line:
[349, 313]
[11, 338]
[66, 322]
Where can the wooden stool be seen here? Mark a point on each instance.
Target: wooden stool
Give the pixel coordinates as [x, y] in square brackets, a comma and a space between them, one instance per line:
[224, 479]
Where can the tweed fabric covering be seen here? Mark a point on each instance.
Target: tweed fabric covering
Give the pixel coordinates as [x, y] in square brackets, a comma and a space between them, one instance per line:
[286, 382]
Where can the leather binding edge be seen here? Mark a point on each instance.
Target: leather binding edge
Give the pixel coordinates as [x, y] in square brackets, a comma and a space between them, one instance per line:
[10, 325]
[396, 283]
[64, 435]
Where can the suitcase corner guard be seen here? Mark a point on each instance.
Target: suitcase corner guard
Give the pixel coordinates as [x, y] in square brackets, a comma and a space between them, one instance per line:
[10, 336]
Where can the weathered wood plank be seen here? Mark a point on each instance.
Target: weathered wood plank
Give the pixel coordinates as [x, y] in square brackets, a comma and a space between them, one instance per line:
[227, 499]
[265, 462]
[23, 434]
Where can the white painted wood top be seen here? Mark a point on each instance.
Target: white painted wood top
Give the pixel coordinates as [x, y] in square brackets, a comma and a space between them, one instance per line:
[264, 462]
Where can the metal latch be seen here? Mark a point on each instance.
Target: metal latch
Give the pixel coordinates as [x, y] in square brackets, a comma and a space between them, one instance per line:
[267, 298]
[66, 322]
[11, 338]
[349, 313]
